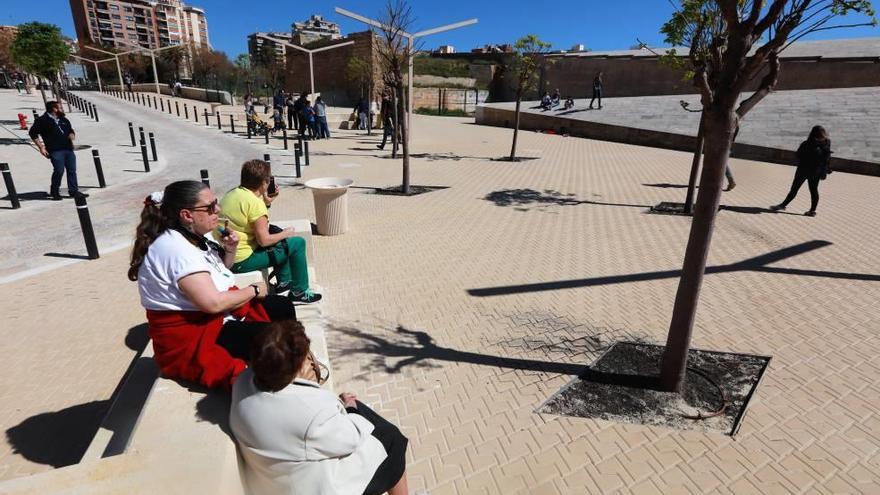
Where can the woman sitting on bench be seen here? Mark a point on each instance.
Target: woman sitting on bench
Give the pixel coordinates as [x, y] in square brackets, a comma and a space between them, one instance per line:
[296, 437]
[200, 324]
[262, 245]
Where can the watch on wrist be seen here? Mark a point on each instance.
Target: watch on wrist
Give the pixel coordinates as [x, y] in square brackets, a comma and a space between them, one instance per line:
[256, 290]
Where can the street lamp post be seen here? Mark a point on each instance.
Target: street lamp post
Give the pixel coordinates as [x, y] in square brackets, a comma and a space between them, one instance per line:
[95, 62]
[310, 52]
[152, 52]
[116, 56]
[410, 40]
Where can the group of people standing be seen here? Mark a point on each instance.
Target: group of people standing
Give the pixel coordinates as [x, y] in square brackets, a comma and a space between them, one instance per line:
[309, 119]
[294, 436]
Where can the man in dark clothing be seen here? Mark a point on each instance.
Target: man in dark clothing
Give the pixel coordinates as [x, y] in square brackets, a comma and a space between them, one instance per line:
[598, 87]
[55, 142]
[290, 103]
[299, 107]
[387, 112]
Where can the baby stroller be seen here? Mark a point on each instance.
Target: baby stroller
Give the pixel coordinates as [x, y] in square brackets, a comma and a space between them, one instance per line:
[257, 125]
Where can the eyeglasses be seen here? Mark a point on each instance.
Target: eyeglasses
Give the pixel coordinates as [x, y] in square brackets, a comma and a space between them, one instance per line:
[211, 207]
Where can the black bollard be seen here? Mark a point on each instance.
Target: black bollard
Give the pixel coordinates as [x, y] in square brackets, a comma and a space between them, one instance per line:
[88, 109]
[249, 130]
[196, 114]
[284, 135]
[139, 98]
[186, 111]
[298, 169]
[131, 134]
[143, 138]
[10, 186]
[266, 133]
[177, 108]
[144, 156]
[153, 146]
[306, 151]
[204, 174]
[218, 120]
[34, 110]
[85, 222]
[149, 102]
[95, 113]
[267, 158]
[169, 107]
[154, 103]
[207, 123]
[98, 169]
[232, 123]
[297, 153]
[162, 105]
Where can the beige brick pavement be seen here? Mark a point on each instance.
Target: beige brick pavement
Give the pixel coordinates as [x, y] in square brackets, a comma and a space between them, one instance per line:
[462, 375]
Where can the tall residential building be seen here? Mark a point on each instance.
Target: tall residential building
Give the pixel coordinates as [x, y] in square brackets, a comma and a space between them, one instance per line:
[256, 44]
[147, 23]
[314, 29]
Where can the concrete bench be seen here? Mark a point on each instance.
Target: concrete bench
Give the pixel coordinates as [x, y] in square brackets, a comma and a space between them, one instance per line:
[161, 436]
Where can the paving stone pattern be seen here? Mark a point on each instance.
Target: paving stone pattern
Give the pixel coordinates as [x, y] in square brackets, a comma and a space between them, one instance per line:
[463, 375]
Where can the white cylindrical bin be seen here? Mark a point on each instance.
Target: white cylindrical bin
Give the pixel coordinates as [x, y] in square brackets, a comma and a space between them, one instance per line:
[331, 204]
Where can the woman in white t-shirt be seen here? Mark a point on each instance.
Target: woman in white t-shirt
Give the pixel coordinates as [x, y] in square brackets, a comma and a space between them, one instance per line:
[297, 438]
[200, 325]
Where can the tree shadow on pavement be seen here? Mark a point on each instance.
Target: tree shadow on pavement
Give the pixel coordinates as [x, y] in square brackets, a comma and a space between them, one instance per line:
[520, 198]
[417, 349]
[666, 185]
[756, 264]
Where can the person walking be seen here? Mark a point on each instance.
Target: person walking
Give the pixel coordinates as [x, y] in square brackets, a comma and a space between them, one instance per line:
[300, 107]
[321, 119]
[813, 164]
[363, 111]
[127, 80]
[387, 121]
[598, 86]
[54, 135]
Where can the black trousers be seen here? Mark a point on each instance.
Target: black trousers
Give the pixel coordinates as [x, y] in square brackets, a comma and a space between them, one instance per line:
[597, 93]
[236, 336]
[799, 179]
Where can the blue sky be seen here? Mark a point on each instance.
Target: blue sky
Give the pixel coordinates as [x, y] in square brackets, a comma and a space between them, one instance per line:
[599, 25]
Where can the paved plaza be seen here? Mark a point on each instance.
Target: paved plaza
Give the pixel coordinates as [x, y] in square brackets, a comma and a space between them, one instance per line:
[782, 120]
[576, 263]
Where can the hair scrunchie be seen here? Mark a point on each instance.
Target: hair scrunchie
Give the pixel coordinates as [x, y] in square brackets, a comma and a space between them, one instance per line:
[154, 199]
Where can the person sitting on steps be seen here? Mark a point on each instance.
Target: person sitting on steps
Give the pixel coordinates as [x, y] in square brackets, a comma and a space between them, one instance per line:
[245, 209]
[298, 438]
[199, 322]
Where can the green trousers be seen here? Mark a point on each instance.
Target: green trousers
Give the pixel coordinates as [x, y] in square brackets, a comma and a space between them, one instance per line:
[287, 257]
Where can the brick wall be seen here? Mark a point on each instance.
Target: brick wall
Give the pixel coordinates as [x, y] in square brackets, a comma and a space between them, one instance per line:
[330, 66]
[448, 98]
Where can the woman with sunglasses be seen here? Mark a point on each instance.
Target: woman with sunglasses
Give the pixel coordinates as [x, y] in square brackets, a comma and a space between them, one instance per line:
[296, 437]
[199, 323]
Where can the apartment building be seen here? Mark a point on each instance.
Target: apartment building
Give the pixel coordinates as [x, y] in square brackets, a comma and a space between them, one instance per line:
[257, 44]
[146, 23]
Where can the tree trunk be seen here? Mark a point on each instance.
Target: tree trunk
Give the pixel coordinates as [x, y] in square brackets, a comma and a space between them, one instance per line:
[695, 167]
[515, 127]
[718, 129]
[404, 139]
[42, 91]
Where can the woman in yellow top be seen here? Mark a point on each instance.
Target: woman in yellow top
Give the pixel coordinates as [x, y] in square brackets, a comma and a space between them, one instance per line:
[246, 209]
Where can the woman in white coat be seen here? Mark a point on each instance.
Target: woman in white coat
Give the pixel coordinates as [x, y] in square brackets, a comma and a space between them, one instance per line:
[297, 438]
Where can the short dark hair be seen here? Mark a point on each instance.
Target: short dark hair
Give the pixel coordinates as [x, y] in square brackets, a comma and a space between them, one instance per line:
[50, 105]
[278, 353]
[254, 173]
[818, 133]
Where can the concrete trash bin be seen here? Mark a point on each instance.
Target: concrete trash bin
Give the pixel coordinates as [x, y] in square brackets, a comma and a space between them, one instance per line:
[331, 204]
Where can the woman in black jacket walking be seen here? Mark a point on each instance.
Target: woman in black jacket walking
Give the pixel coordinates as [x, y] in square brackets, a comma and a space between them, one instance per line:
[813, 157]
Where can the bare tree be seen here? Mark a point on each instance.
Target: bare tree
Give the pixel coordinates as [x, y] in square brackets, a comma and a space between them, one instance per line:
[529, 51]
[394, 54]
[725, 57]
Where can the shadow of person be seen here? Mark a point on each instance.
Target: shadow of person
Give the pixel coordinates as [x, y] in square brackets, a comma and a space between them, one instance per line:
[58, 438]
[214, 408]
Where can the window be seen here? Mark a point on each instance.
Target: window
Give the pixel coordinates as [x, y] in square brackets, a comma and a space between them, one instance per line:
[127, 9]
[117, 25]
[116, 16]
[119, 35]
[129, 18]
[132, 36]
[114, 7]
